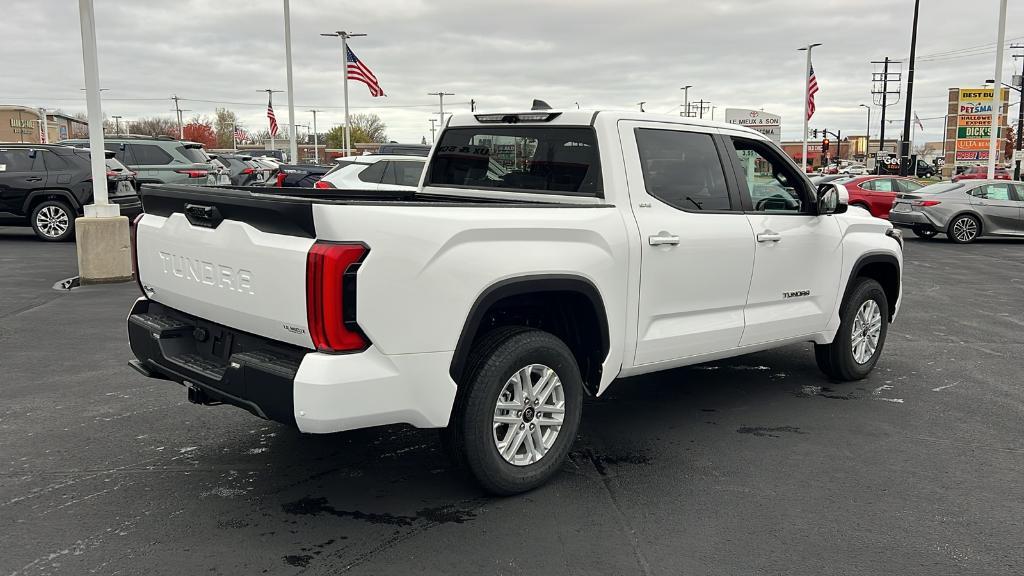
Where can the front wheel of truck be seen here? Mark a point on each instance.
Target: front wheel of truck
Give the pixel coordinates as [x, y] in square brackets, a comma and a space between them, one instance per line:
[517, 410]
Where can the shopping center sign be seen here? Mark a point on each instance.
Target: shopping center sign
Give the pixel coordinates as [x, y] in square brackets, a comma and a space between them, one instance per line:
[764, 122]
[975, 107]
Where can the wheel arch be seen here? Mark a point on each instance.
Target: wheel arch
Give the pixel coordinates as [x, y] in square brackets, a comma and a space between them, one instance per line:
[568, 306]
[884, 268]
[37, 196]
[967, 212]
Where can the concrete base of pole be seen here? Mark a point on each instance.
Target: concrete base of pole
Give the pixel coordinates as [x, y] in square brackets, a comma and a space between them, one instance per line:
[104, 250]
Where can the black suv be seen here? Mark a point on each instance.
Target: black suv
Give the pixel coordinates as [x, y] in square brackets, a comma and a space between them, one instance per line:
[46, 186]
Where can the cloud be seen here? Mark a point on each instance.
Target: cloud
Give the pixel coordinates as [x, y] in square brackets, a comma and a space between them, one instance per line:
[600, 53]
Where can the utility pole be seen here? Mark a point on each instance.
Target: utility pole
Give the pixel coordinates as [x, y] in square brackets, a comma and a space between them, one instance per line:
[344, 56]
[440, 97]
[807, 89]
[472, 105]
[178, 111]
[642, 105]
[686, 99]
[997, 92]
[432, 128]
[270, 105]
[702, 105]
[884, 80]
[1020, 111]
[117, 126]
[316, 139]
[293, 148]
[905, 146]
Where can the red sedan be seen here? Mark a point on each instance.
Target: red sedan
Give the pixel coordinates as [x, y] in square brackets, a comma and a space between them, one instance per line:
[981, 173]
[876, 193]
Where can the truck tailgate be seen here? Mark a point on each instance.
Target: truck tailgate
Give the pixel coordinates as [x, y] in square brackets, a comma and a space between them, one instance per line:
[248, 273]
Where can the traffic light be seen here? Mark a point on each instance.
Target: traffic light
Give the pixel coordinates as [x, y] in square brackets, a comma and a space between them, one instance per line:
[814, 131]
[824, 146]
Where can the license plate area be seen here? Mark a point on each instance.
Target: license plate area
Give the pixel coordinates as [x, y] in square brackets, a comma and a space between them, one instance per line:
[901, 207]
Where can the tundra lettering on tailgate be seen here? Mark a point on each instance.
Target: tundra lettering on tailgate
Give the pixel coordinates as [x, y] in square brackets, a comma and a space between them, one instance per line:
[208, 273]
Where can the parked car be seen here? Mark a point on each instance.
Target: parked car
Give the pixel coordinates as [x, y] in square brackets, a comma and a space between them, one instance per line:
[854, 170]
[490, 303]
[219, 170]
[963, 211]
[277, 155]
[824, 178]
[375, 172]
[396, 149]
[981, 173]
[45, 186]
[876, 193]
[243, 171]
[268, 167]
[160, 159]
[298, 175]
[925, 170]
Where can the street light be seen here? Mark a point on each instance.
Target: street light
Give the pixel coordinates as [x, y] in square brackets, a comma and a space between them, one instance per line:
[807, 89]
[686, 99]
[867, 133]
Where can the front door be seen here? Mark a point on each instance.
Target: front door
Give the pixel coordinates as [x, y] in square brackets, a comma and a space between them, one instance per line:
[798, 257]
[696, 247]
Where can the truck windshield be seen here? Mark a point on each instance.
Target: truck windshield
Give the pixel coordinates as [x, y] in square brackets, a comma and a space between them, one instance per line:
[540, 159]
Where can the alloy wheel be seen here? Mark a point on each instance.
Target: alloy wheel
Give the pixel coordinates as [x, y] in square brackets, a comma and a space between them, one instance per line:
[867, 327]
[965, 229]
[52, 221]
[528, 415]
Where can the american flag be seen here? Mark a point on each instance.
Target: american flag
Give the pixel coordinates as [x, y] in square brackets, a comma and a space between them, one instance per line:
[356, 70]
[272, 118]
[239, 135]
[812, 89]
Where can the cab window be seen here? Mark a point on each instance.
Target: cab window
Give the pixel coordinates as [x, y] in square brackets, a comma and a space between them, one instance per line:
[993, 192]
[683, 169]
[772, 183]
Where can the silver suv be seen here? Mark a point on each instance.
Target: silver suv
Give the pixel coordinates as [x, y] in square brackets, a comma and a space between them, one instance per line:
[160, 159]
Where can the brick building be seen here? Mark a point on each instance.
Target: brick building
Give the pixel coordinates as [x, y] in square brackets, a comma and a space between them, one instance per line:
[21, 124]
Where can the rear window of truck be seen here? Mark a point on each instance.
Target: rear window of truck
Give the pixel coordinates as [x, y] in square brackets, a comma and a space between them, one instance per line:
[539, 159]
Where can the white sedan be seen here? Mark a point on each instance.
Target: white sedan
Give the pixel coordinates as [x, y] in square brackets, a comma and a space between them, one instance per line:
[384, 172]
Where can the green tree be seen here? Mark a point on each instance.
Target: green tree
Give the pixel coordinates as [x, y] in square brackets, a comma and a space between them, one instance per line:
[224, 125]
[365, 128]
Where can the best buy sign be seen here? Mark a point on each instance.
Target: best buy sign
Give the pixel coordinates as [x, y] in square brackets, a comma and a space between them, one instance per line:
[975, 132]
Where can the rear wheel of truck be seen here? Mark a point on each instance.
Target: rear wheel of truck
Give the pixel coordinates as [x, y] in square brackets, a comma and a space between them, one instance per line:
[517, 410]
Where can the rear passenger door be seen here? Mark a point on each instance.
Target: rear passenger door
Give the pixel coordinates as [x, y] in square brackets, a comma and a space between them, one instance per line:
[152, 163]
[798, 256]
[696, 247]
[998, 206]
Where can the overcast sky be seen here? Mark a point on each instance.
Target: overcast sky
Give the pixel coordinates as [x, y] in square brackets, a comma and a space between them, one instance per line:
[599, 53]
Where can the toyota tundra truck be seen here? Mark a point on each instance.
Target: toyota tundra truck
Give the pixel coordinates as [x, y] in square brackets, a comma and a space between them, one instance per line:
[544, 255]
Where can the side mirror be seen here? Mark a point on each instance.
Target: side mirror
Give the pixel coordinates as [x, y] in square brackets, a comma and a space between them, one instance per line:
[832, 198]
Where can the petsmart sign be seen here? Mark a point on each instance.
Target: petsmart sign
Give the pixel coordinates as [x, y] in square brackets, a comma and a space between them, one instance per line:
[974, 122]
[764, 122]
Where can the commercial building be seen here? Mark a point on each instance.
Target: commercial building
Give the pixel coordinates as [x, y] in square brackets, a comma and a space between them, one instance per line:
[22, 124]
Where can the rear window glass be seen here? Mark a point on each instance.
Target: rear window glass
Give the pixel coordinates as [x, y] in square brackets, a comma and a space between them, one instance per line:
[193, 154]
[145, 155]
[527, 159]
[338, 166]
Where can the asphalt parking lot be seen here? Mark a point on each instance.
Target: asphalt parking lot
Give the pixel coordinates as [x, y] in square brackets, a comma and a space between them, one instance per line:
[756, 465]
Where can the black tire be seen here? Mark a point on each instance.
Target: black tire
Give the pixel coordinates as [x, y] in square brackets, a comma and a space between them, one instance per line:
[926, 233]
[53, 221]
[469, 439]
[836, 360]
[964, 235]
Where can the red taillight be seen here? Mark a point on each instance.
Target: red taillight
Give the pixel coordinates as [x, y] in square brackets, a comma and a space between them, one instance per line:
[323, 185]
[111, 174]
[331, 296]
[280, 179]
[194, 173]
[247, 171]
[135, 252]
[925, 203]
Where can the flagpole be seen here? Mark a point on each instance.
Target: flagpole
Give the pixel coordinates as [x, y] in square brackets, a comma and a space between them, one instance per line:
[807, 89]
[997, 92]
[293, 147]
[344, 71]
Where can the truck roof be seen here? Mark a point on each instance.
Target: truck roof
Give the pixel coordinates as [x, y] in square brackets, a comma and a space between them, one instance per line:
[584, 117]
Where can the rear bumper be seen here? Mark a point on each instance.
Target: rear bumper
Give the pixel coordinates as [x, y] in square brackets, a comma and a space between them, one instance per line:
[131, 206]
[315, 392]
[910, 219]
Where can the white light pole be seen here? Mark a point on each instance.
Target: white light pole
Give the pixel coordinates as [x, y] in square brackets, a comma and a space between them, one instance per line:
[807, 88]
[440, 95]
[432, 129]
[344, 65]
[686, 99]
[867, 134]
[997, 91]
[293, 147]
[101, 206]
[316, 140]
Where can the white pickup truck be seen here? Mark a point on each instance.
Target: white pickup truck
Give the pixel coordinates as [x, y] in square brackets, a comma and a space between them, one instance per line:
[544, 255]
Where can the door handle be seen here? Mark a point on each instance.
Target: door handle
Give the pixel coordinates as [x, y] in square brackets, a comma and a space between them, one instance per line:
[769, 236]
[663, 240]
[33, 179]
[982, 203]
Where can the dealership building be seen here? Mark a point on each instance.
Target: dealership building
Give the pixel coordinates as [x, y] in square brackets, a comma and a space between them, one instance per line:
[22, 124]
